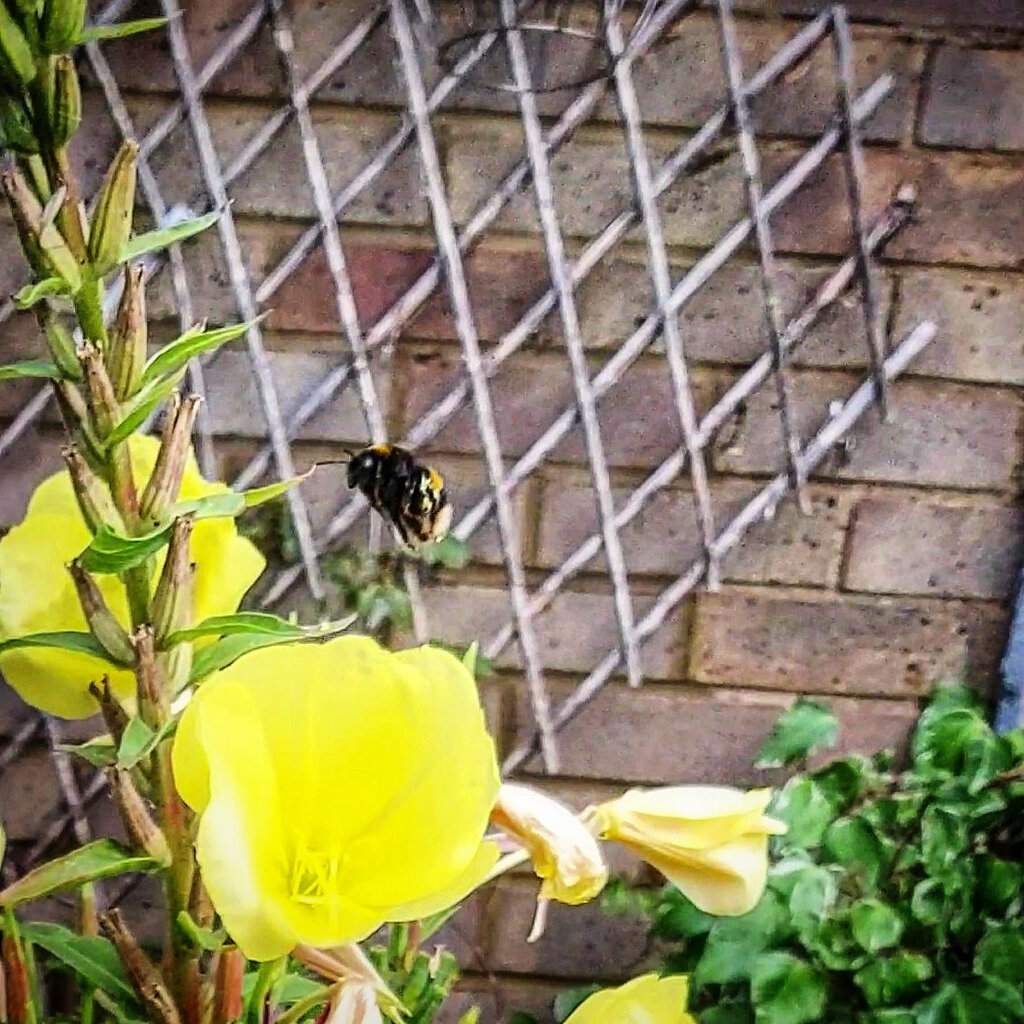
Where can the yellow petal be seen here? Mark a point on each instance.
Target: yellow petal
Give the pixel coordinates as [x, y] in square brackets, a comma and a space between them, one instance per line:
[471, 879]
[644, 1000]
[726, 881]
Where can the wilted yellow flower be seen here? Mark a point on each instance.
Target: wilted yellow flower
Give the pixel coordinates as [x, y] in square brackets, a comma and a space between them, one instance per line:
[644, 1000]
[710, 841]
[339, 786]
[564, 854]
[37, 595]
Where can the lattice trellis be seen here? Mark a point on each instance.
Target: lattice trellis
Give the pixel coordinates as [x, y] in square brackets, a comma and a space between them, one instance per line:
[621, 37]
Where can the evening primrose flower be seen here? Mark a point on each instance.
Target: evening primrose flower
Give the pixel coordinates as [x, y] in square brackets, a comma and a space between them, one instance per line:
[338, 786]
[644, 1000]
[564, 854]
[710, 841]
[37, 594]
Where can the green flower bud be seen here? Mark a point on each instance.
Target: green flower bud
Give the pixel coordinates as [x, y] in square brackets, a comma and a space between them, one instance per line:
[62, 346]
[129, 335]
[143, 831]
[61, 24]
[99, 392]
[101, 621]
[93, 495]
[112, 221]
[16, 126]
[17, 64]
[66, 104]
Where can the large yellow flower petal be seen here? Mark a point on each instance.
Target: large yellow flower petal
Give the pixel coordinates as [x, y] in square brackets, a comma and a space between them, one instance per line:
[36, 594]
[644, 1000]
[382, 774]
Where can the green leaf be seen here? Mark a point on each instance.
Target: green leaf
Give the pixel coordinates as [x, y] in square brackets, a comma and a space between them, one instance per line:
[93, 959]
[676, 917]
[33, 293]
[854, 844]
[805, 728]
[786, 990]
[225, 505]
[928, 902]
[895, 979]
[999, 881]
[876, 925]
[202, 938]
[449, 552]
[811, 899]
[137, 741]
[734, 943]
[259, 495]
[151, 241]
[98, 751]
[99, 859]
[99, 33]
[79, 643]
[845, 780]
[110, 552]
[566, 1002]
[176, 355]
[972, 1001]
[944, 839]
[260, 624]
[36, 368]
[1000, 955]
[806, 809]
[142, 403]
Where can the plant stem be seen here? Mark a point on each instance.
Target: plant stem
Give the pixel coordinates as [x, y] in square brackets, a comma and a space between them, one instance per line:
[266, 978]
[88, 1006]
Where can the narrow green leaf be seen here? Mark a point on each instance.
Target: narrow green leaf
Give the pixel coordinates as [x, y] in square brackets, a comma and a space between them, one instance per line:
[201, 937]
[38, 368]
[93, 958]
[225, 505]
[99, 859]
[79, 643]
[177, 354]
[143, 402]
[99, 752]
[110, 552]
[121, 30]
[28, 296]
[801, 731]
[259, 623]
[258, 495]
[135, 740]
[151, 241]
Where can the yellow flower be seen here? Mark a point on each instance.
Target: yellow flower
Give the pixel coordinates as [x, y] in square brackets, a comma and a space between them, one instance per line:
[339, 786]
[644, 1000]
[37, 595]
[564, 854]
[712, 842]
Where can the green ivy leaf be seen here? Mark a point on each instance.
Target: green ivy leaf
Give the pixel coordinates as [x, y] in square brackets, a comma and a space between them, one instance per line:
[93, 959]
[734, 943]
[1000, 955]
[999, 882]
[100, 859]
[972, 1001]
[944, 839]
[121, 30]
[786, 990]
[806, 809]
[845, 780]
[678, 918]
[152, 241]
[854, 844]
[875, 925]
[805, 728]
[449, 552]
[566, 1002]
[813, 897]
[894, 979]
[928, 902]
[176, 355]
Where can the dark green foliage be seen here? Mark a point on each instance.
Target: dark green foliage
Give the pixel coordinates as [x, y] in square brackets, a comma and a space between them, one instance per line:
[895, 898]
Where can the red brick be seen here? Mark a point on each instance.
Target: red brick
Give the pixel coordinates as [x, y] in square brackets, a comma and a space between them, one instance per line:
[578, 942]
[500, 998]
[939, 550]
[31, 798]
[664, 539]
[863, 648]
[945, 435]
[979, 317]
[706, 736]
[34, 457]
[973, 99]
[575, 632]
[947, 15]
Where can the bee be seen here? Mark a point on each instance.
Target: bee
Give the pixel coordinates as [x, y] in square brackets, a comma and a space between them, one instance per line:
[411, 496]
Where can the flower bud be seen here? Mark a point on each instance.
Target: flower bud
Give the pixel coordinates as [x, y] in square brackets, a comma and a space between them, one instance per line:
[16, 126]
[99, 391]
[66, 102]
[138, 822]
[60, 342]
[61, 24]
[112, 221]
[129, 335]
[172, 602]
[164, 484]
[101, 621]
[154, 706]
[75, 413]
[17, 64]
[564, 853]
[146, 978]
[93, 495]
[114, 715]
[44, 245]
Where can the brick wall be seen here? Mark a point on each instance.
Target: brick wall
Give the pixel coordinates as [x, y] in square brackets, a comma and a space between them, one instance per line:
[902, 574]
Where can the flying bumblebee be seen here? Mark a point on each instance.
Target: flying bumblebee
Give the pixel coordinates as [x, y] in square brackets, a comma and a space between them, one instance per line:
[411, 496]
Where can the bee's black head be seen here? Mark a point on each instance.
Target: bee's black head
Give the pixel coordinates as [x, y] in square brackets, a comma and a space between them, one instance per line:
[364, 468]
